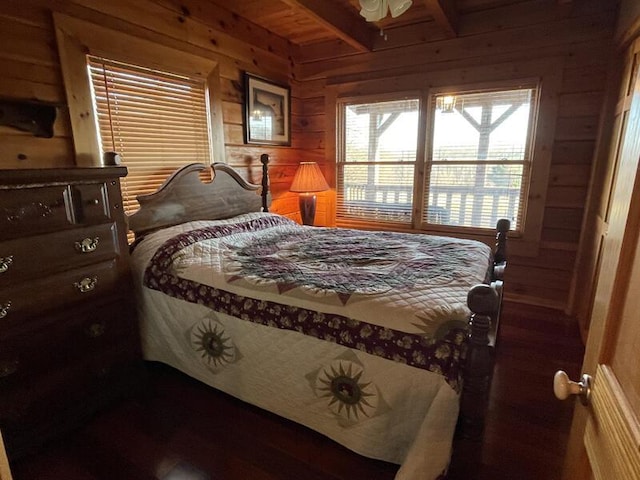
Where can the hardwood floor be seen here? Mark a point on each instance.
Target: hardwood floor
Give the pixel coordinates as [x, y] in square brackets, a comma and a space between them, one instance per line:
[527, 427]
[183, 430]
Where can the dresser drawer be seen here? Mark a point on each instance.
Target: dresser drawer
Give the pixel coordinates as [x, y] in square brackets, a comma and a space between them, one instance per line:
[35, 256]
[29, 211]
[33, 210]
[61, 339]
[33, 297]
[91, 203]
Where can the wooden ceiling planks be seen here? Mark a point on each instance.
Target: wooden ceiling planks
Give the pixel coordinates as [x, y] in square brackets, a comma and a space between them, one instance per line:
[342, 22]
[320, 29]
[445, 15]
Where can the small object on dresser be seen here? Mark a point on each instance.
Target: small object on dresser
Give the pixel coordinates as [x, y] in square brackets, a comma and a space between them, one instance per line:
[111, 158]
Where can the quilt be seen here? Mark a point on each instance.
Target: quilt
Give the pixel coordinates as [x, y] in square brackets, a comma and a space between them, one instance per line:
[358, 335]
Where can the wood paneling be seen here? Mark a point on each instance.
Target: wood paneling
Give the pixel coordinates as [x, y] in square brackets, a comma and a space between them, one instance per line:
[503, 41]
[32, 71]
[509, 41]
[225, 21]
[24, 151]
[557, 35]
[573, 152]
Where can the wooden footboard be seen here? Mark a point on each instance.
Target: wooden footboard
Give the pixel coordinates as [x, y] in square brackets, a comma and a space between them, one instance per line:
[485, 302]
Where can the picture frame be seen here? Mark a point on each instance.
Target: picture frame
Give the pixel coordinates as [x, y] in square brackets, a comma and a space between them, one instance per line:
[267, 112]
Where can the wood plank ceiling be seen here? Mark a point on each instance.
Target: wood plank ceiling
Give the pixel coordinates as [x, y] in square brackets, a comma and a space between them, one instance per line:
[311, 23]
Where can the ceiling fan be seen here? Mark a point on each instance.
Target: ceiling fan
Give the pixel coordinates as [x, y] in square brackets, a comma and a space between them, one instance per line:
[374, 10]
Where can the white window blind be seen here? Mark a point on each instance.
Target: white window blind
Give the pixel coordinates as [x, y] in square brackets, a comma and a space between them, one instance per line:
[156, 121]
[480, 158]
[377, 164]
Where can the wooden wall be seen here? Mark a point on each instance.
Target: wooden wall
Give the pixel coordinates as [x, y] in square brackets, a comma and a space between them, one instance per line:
[604, 172]
[575, 36]
[31, 70]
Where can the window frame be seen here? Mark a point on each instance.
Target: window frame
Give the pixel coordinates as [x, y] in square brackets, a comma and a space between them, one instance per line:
[341, 105]
[430, 109]
[78, 38]
[424, 150]
[548, 75]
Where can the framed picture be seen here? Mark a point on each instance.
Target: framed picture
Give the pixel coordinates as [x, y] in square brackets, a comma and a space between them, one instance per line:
[267, 112]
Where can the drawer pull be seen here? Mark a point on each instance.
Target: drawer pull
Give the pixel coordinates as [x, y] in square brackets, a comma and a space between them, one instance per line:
[5, 263]
[86, 284]
[4, 309]
[8, 367]
[87, 245]
[96, 330]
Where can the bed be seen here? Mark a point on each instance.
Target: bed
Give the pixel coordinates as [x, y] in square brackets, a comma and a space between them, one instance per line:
[381, 341]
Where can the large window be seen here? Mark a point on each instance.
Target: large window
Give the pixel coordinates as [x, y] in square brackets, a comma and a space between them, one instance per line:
[376, 174]
[156, 121]
[480, 158]
[472, 169]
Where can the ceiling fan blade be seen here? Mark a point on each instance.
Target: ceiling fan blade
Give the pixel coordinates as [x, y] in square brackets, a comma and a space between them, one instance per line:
[398, 7]
[373, 10]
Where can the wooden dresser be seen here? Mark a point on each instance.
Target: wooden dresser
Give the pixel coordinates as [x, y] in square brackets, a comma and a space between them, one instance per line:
[68, 337]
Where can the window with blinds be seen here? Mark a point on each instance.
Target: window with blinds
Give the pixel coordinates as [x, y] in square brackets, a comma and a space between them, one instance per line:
[377, 165]
[480, 158]
[477, 164]
[156, 121]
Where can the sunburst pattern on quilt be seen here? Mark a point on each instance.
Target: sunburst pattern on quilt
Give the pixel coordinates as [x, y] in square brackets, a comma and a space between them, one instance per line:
[212, 344]
[350, 396]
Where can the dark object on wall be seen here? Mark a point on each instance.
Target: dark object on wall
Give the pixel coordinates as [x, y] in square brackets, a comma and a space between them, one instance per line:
[28, 116]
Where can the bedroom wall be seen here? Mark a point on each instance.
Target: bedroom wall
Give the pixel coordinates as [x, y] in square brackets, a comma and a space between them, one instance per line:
[575, 36]
[31, 70]
[528, 37]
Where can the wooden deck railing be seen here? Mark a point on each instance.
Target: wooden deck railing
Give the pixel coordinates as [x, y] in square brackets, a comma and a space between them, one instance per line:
[448, 205]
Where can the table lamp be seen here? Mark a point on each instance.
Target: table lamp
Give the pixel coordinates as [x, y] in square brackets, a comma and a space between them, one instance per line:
[307, 182]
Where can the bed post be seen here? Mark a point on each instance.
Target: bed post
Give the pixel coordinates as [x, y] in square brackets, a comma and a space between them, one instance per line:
[500, 252]
[484, 301]
[499, 266]
[264, 159]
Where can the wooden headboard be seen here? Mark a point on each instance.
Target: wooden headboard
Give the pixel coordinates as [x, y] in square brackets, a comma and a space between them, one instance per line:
[183, 197]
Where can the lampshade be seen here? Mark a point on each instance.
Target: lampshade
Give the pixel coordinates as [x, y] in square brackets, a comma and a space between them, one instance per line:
[309, 179]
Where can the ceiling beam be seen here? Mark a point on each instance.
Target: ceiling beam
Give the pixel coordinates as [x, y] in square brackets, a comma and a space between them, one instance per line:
[351, 28]
[445, 15]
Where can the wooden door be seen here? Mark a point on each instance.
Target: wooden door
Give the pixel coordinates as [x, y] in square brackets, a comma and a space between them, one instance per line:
[605, 438]
[5, 473]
